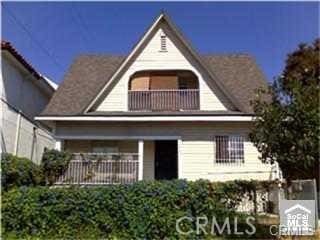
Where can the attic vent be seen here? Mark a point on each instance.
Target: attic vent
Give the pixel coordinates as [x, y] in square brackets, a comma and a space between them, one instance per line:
[163, 43]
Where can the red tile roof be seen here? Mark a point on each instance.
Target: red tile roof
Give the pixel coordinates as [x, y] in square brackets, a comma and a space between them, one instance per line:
[7, 46]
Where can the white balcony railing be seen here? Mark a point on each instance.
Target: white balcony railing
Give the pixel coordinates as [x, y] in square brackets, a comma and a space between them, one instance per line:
[163, 100]
[101, 168]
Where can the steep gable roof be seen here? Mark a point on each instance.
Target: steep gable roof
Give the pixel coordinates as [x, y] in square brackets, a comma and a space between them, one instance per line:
[236, 76]
[86, 76]
[164, 19]
[240, 75]
[89, 73]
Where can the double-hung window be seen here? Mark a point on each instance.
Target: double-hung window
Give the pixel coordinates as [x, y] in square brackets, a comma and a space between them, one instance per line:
[229, 149]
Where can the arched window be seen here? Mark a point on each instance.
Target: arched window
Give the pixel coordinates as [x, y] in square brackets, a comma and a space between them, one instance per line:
[153, 80]
[163, 91]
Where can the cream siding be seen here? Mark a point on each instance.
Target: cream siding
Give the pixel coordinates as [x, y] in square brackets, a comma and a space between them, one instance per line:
[199, 162]
[196, 150]
[148, 160]
[175, 58]
[77, 146]
[128, 146]
[86, 146]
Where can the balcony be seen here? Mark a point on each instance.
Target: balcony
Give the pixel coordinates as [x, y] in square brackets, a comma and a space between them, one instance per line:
[163, 91]
[163, 100]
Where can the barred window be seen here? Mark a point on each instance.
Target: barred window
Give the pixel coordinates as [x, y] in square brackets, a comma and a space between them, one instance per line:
[229, 149]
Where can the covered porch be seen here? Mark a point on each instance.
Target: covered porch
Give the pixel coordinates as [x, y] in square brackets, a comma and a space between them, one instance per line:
[99, 162]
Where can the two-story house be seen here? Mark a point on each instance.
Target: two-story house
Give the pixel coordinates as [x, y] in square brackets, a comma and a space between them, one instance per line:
[24, 94]
[162, 112]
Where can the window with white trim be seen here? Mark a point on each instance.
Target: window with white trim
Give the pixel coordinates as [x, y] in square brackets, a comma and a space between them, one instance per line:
[229, 149]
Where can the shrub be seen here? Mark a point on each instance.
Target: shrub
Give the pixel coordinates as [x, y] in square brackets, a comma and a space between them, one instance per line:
[144, 210]
[54, 163]
[19, 171]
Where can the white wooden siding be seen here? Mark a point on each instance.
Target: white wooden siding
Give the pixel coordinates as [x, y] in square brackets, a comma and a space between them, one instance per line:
[77, 146]
[199, 162]
[148, 160]
[196, 150]
[176, 58]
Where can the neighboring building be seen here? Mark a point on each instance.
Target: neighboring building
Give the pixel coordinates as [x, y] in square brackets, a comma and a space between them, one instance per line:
[24, 95]
[162, 112]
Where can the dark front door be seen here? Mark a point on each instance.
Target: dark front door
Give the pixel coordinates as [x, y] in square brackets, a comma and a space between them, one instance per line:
[166, 159]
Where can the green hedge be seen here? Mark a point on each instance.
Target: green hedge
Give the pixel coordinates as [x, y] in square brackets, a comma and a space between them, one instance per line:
[54, 163]
[19, 171]
[144, 210]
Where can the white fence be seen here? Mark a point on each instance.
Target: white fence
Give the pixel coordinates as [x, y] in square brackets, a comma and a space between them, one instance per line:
[100, 169]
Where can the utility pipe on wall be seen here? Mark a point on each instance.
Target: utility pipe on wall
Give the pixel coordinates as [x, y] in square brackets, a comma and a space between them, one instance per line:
[16, 143]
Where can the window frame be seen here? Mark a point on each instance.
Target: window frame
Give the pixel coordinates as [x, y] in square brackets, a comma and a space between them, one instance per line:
[234, 150]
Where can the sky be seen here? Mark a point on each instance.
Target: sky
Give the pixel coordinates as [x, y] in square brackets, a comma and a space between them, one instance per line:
[50, 35]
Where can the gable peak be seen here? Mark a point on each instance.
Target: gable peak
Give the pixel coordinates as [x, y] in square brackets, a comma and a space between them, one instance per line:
[163, 18]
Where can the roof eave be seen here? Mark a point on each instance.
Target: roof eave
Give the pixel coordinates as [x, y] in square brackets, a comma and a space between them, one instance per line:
[6, 46]
[230, 118]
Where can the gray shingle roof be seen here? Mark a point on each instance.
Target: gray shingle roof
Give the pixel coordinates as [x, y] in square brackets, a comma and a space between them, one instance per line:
[239, 74]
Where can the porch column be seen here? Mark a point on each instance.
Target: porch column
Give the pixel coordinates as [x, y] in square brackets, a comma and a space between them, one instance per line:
[179, 158]
[59, 142]
[58, 145]
[140, 165]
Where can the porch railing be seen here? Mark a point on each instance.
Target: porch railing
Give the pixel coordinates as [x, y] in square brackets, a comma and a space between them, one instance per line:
[163, 100]
[99, 169]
